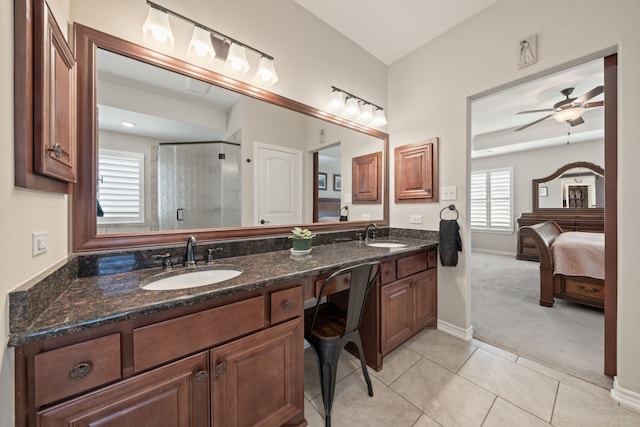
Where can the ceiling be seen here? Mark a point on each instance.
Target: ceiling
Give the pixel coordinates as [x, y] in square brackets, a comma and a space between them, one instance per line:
[390, 30]
[408, 24]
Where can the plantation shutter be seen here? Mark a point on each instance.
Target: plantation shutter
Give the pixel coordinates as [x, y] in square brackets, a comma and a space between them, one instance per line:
[491, 200]
[121, 186]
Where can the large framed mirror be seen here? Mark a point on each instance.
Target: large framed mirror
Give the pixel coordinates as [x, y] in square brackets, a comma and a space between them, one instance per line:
[190, 126]
[574, 188]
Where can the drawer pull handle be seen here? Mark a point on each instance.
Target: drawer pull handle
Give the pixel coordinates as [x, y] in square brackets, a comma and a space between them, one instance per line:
[221, 369]
[201, 376]
[80, 371]
[592, 290]
[390, 272]
[287, 305]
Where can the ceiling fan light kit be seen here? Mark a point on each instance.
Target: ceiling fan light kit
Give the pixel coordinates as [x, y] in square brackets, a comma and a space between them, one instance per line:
[568, 110]
[568, 114]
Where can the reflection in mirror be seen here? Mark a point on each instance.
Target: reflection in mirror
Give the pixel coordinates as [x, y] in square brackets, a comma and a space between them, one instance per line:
[178, 151]
[574, 186]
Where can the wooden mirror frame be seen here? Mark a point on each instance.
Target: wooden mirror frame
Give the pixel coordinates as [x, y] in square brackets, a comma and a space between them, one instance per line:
[84, 224]
[566, 211]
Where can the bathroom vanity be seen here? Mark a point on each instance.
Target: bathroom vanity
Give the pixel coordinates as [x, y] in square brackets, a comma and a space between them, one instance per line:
[229, 354]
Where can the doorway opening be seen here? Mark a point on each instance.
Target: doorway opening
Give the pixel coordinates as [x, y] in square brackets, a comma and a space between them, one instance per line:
[530, 150]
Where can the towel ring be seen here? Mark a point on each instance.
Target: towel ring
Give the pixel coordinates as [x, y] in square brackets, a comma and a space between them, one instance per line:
[451, 208]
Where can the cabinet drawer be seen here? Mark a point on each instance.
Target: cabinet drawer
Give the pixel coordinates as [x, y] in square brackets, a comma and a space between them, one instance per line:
[387, 272]
[161, 342]
[76, 368]
[286, 304]
[582, 289]
[412, 264]
[338, 284]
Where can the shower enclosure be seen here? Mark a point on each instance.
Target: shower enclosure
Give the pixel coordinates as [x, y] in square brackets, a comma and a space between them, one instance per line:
[198, 185]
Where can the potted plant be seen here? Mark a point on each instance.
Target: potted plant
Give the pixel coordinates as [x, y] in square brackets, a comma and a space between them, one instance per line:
[301, 239]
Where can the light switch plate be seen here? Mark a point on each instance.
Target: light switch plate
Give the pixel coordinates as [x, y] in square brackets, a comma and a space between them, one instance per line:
[415, 219]
[39, 243]
[449, 192]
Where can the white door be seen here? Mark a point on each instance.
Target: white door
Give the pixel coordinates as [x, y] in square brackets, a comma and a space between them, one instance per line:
[278, 196]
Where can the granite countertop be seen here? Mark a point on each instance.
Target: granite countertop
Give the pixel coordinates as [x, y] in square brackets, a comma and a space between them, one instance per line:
[101, 300]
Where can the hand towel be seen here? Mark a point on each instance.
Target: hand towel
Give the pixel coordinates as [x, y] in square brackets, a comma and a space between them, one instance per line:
[449, 242]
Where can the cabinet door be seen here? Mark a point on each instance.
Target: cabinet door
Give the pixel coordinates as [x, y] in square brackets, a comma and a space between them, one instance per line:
[176, 395]
[258, 380]
[425, 300]
[54, 100]
[396, 308]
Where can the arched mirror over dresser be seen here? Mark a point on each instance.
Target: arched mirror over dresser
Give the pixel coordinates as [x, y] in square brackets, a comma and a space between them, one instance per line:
[573, 197]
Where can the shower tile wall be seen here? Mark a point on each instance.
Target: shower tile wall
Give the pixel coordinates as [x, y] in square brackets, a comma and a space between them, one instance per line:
[202, 179]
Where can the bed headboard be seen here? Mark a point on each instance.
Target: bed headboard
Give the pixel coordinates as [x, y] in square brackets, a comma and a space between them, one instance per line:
[328, 208]
[543, 234]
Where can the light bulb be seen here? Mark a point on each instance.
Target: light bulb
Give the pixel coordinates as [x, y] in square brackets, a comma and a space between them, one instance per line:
[336, 101]
[352, 109]
[367, 113]
[157, 26]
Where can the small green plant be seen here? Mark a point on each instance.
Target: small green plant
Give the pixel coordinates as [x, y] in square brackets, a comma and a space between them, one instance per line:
[301, 233]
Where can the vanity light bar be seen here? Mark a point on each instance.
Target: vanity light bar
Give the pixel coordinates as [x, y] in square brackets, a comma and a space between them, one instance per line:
[343, 101]
[266, 61]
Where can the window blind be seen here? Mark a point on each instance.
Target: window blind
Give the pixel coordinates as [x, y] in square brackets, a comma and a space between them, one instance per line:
[121, 186]
[491, 200]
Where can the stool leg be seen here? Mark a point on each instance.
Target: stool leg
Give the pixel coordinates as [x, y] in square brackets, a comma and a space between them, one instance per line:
[328, 356]
[363, 363]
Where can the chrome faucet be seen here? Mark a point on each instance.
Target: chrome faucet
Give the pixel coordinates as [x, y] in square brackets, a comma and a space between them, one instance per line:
[366, 232]
[189, 259]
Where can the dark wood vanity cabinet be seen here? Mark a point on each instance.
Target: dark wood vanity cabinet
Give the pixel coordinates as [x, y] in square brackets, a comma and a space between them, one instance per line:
[236, 364]
[409, 300]
[175, 395]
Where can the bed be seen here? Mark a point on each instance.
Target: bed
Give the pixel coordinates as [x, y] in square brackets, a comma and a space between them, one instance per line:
[571, 264]
[328, 210]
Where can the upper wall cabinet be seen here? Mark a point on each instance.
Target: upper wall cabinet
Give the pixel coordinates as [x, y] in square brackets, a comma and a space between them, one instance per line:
[45, 101]
[416, 172]
[367, 178]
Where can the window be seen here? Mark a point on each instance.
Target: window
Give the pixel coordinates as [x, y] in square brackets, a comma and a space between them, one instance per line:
[120, 186]
[491, 201]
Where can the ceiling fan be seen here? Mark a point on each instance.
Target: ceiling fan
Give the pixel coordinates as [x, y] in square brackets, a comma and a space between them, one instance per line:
[569, 109]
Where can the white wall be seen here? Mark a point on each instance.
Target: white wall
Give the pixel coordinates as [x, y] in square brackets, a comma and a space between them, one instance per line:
[529, 165]
[429, 91]
[22, 212]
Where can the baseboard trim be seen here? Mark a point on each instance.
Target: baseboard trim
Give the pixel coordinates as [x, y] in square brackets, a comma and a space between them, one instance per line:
[626, 398]
[491, 251]
[456, 331]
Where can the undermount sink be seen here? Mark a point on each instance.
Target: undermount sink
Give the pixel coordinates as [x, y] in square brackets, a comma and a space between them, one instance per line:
[386, 245]
[185, 279]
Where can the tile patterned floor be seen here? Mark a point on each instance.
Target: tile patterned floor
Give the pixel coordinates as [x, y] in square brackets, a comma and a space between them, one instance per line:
[438, 380]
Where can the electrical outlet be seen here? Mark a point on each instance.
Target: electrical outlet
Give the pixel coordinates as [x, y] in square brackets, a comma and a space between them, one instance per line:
[39, 243]
[449, 192]
[365, 216]
[415, 219]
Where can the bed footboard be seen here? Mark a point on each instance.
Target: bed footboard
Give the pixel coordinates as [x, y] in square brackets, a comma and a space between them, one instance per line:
[583, 290]
[544, 234]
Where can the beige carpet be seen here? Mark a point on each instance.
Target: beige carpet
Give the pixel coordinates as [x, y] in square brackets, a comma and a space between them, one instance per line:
[505, 312]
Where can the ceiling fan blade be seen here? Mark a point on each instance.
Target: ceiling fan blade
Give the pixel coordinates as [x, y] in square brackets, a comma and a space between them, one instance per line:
[587, 96]
[593, 104]
[535, 111]
[577, 121]
[533, 123]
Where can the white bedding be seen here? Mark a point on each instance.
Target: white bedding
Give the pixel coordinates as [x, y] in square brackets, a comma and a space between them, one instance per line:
[577, 253]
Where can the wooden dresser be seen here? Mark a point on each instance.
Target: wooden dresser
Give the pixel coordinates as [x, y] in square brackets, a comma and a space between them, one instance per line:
[527, 248]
